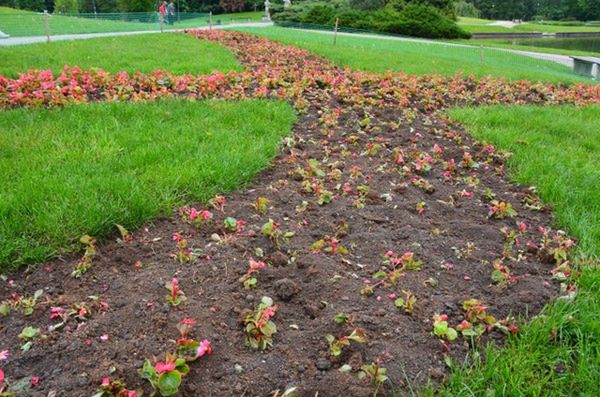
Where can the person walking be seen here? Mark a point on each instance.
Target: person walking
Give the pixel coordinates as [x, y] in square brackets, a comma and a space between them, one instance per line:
[162, 11]
[171, 12]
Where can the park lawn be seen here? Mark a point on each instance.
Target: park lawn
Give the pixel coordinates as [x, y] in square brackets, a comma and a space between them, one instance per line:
[175, 52]
[383, 53]
[27, 23]
[556, 148]
[545, 50]
[83, 169]
[475, 25]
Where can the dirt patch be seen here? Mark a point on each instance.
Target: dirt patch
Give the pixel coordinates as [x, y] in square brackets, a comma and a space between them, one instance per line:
[372, 166]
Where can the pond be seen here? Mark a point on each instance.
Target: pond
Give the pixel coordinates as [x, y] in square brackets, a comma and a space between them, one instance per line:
[591, 44]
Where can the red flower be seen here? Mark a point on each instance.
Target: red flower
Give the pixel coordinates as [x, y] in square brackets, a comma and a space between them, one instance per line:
[35, 380]
[204, 348]
[165, 367]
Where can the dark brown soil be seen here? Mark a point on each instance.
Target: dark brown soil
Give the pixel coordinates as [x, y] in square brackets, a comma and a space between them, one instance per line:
[309, 288]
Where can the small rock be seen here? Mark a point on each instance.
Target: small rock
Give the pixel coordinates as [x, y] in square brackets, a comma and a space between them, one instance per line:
[301, 368]
[250, 298]
[278, 259]
[323, 364]
[238, 369]
[285, 289]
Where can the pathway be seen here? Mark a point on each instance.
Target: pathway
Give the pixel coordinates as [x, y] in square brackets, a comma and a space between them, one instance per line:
[42, 39]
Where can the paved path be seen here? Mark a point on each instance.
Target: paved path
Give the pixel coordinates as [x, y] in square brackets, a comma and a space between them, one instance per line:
[562, 59]
[42, 39]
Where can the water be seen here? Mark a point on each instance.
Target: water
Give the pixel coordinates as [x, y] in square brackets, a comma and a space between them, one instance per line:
[591, 44]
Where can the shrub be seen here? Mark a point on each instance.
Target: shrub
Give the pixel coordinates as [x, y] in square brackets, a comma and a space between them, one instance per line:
[421, 21]
[321, 15]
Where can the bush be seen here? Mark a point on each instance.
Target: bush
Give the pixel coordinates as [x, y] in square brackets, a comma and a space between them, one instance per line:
[320, 15]
[421, 21]
[398, 16]
[66, 6]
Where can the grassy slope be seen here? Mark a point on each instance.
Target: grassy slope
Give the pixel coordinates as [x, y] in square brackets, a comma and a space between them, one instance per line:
[177, 53]
[380, 55]
[557, 150]
[82, 169]
[475, 25]
[27, 23]
[547, 50]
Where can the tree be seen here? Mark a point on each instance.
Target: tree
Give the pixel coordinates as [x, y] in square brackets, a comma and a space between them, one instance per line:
[66, 6]
[136, 5]
[34, 5]
[465, 9]
[232, 5]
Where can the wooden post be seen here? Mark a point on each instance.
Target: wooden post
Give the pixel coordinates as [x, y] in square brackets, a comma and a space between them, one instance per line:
[335, 30]
[481, 54]
[210, 20]
[47, 25]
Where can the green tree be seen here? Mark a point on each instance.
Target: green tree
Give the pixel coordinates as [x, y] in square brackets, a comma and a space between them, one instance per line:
[136, 5]
[66, 6]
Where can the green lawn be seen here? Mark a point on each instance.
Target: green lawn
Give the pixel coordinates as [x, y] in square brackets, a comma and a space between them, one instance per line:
[26, 23]
[177, 53]
[547, 50]
[475, 25]
[383, 54]
[556, 149]
[82, 169]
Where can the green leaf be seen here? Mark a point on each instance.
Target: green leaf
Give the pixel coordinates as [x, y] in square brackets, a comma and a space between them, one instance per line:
[267, 301]
[4, 309]
[451, 334]
[379, 274]
[399, 302]
[29, 333]
[169, 382]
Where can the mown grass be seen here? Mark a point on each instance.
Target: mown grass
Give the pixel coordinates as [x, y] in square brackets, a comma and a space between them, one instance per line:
[558, 352]
[82, 169]
[417, 57]
[475, 25]
[525, 47]
[175, 52]
[19, 23]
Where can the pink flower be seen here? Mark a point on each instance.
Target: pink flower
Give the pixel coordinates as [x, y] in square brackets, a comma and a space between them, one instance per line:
[256, 265]
[1, 376]
[104, 337]
[131, 393]
[204, 348]
[443, 317]
[391, 296]
[206, 215]
[35, 380]
[389, 253]
[4, 355]
[437, 149]
[269, 312]
[105, 381]
[464, 325]
[193, 214]
[164, 367]
[55, 312]
[177, 237]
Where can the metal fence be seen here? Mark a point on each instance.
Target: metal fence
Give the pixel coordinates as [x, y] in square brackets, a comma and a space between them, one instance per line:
[443, 52]
[43, 24]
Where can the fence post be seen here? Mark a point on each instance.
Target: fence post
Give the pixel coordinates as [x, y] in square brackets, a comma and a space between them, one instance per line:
[335, 30]
[210, 20]
[47, 25]
[481, 54]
